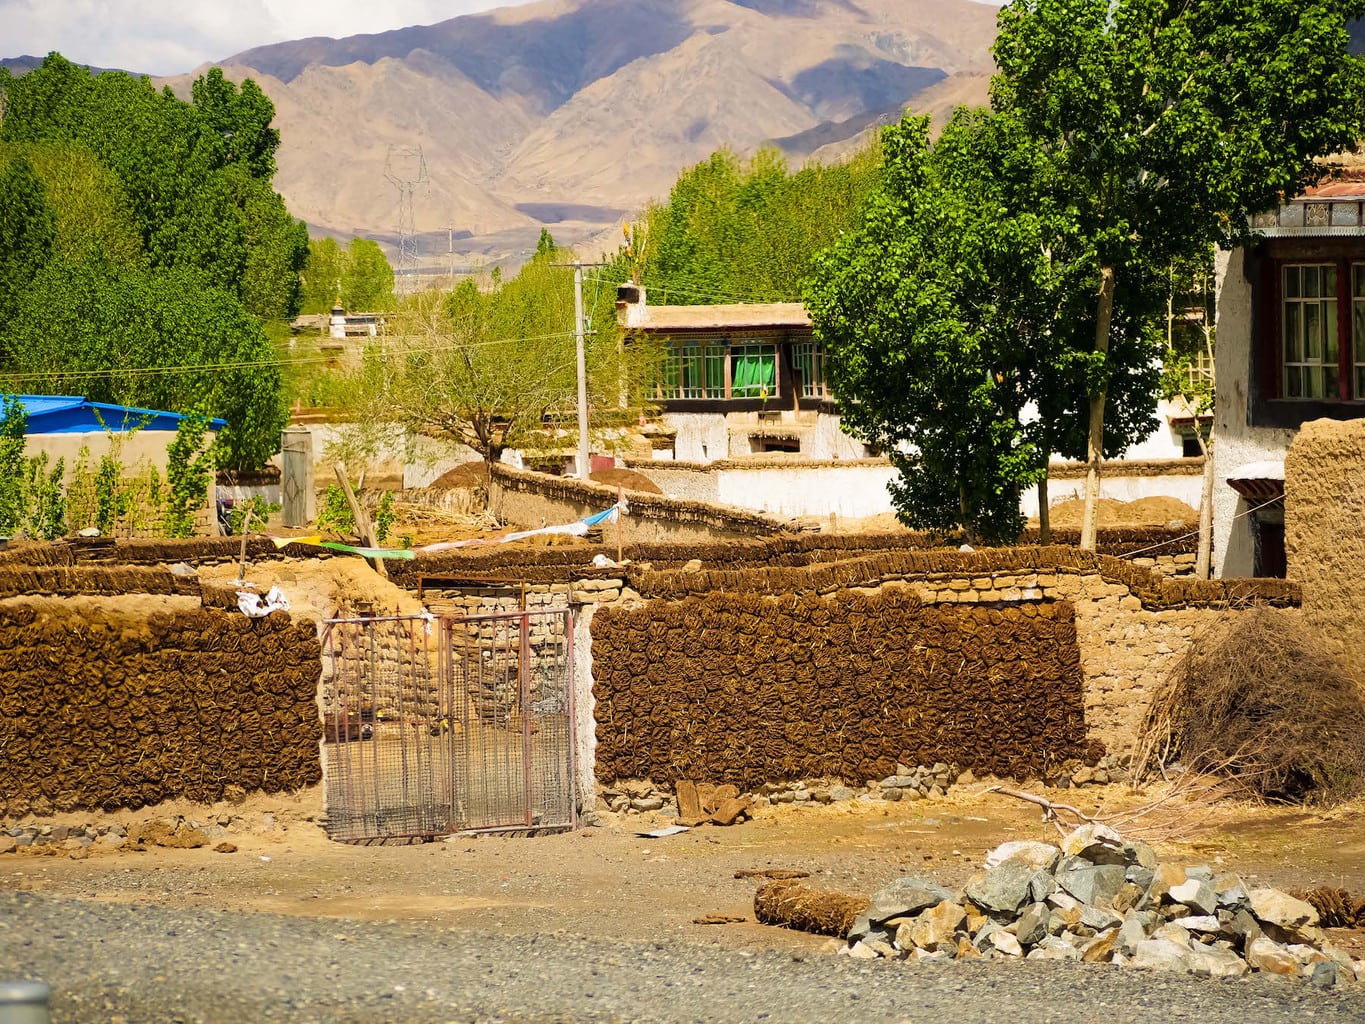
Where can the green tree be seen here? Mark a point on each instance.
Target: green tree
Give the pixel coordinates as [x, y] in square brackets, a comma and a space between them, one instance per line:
[1165, 126]
[366, 277]
[495, 369]
[13, 429]
[241, 117]
[322, 272]
[95, 328]
[90, 209]
[929, 311]
[189, 461]
[197, 175]
[27, 232]
[735, 230]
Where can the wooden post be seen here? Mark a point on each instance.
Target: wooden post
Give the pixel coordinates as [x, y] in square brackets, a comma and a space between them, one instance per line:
[620, 526]
[362, 520]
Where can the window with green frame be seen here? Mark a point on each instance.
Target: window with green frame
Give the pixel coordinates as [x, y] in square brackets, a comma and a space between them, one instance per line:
[753, 371]
[697, 369]
[808, 359]
[693, 370]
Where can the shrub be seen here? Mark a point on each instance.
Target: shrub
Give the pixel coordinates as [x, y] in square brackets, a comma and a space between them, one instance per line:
[1260, 698]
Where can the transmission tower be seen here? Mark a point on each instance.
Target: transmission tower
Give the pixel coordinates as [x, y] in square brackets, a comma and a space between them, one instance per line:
[406, 169]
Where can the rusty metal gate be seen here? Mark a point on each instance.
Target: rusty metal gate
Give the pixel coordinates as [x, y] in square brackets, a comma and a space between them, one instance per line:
[434, 725]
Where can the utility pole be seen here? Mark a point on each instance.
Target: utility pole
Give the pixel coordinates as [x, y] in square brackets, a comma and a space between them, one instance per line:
[580, 329]
[580, 335]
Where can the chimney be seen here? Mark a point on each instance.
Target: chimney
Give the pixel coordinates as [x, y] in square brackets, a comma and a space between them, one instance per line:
[631, 310]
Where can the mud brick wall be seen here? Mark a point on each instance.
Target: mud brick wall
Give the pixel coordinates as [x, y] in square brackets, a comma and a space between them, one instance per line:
[109, 709]
[747, 689]
[1324, 541]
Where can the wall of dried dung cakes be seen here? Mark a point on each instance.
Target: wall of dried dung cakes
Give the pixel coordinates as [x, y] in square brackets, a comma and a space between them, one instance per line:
[1324, 482]
[109, 708]
[1132, 624]
[746, 689]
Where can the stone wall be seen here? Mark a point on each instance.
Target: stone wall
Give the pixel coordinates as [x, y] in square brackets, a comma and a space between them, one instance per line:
[1132, 624]
[1324, 529]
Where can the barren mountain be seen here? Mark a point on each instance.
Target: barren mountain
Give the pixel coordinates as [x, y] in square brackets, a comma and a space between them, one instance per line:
[573, 113]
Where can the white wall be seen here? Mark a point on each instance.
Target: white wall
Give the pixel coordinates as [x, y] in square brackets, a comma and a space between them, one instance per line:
[1165, 442]
[1236, 442]
[830, 442]
[702, 436]
[851, 492]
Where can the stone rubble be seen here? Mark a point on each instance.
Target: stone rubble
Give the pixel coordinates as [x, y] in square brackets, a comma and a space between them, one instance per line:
[1099, 899]
[57, 838]
[640, 796]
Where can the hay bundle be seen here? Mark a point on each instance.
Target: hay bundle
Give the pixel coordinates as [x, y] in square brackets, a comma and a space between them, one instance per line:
[789, 904]
[1260, 699]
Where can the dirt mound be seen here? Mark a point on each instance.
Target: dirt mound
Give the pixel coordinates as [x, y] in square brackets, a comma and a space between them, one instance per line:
[467, 474]
[627, 479]
[1154, 511]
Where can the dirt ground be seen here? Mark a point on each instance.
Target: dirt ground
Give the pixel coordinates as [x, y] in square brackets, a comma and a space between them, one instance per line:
[1154, 511]
[607, 881]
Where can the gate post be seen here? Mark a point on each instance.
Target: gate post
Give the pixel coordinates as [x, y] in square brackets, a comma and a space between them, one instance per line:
[524, 681]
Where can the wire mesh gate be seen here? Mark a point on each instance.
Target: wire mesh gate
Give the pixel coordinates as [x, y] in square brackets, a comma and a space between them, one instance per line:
[440, 725]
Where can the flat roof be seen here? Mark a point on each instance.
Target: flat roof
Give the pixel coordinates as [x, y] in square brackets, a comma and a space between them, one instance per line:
[732, 316]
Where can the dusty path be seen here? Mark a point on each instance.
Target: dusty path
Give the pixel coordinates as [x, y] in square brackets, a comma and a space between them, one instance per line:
[293, 927]
[128, 963]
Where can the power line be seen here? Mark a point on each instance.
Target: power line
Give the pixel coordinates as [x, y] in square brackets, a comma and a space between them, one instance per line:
[156, 371]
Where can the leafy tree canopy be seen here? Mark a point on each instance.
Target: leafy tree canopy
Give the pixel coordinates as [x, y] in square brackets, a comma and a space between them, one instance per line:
[366, 277]
[494, 368]
[321, 275]
[735, 230]
[1164, 126]
[185, 168]
[163, 339]
[27, 232]
[90, 208]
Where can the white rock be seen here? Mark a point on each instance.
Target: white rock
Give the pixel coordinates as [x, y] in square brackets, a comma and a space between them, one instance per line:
[1279, 908]
[1217, 962]
[1265, 955]
[861, 951]
[1096, 843]
[1200, 923]
[1161, 955]
[1006, 943]
[1038, 856]
[1196, 894]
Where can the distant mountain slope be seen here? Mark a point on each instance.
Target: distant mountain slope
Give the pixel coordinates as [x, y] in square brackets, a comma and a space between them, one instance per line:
[568, 112]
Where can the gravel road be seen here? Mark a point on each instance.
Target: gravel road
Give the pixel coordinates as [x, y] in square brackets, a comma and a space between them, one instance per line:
[134, 964]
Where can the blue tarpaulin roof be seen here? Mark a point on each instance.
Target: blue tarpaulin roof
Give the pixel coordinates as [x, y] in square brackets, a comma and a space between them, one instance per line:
[72, 414]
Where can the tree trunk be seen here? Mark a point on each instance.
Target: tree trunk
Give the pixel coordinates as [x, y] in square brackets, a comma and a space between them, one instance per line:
[1044, 515]
[964, 511]
[1104, 315]
[1204, 559]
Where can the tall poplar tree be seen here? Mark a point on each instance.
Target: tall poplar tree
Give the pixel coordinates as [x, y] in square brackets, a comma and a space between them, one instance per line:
[1166, 125]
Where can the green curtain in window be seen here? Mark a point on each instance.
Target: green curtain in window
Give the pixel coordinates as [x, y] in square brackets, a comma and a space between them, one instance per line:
[753, 373]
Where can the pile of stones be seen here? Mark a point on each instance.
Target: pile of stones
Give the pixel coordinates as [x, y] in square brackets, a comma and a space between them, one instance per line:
[921, 781]
[1099, 899]
[78, 840]
[908, 783]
